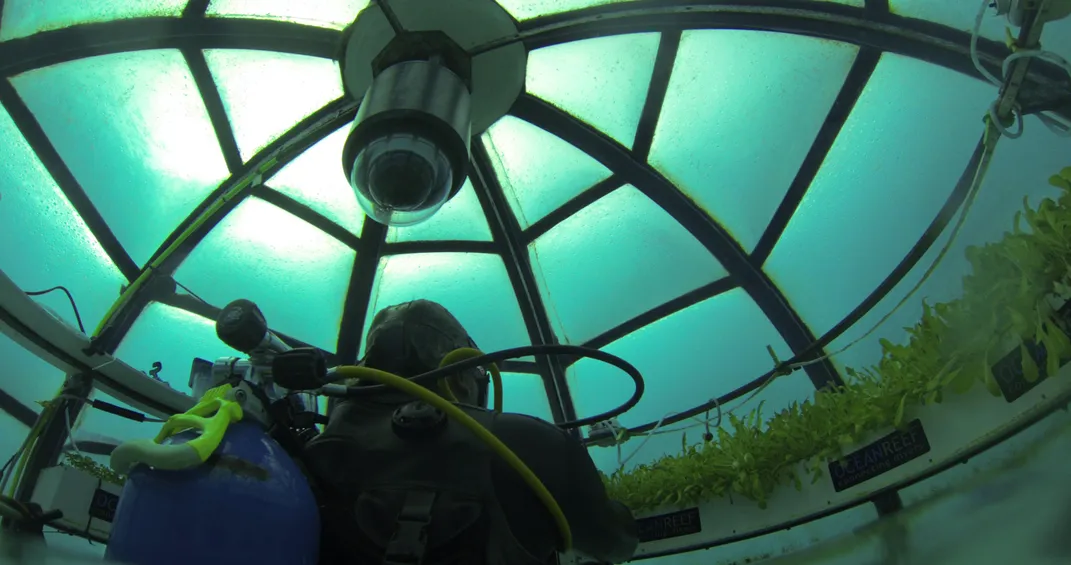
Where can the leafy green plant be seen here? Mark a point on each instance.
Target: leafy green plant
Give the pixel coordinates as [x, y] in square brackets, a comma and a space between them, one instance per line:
[88, 465]
[1007, 298]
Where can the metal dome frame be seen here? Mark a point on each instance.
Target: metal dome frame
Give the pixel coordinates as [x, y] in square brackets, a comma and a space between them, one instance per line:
[873, 28]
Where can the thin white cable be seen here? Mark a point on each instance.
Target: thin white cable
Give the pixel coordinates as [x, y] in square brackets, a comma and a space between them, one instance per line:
[972, 194]
[697, 422]
[1061, 129]
[70, 432]
[1054, 125]
[104, 364]
[994, 117]
[655, 431]
[621, 463]
[976, 33]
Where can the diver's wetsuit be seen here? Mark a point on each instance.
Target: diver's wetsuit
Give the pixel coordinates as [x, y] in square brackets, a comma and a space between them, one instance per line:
[482, 513]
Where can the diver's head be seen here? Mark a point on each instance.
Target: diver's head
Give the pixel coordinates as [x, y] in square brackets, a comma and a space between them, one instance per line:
[413, 338]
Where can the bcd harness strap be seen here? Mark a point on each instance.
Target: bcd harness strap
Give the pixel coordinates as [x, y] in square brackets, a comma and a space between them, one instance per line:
[409, 543]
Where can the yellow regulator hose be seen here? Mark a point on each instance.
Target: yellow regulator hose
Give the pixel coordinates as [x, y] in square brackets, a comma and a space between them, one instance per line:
[426, 395]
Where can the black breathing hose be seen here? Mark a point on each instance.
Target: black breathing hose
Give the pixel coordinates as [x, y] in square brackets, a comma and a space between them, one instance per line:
[516, 352]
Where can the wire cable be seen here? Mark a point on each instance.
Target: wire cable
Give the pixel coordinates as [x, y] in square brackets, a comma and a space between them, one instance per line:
[976, 33]
[1053, 124]
[70, 432]
[190, 292]
[656, 431]
[517, 352]
[972, 194]
[74, 306]
[426, 395]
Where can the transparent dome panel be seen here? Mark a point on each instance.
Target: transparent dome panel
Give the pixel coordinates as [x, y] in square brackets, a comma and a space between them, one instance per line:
[687, 358]
[173, 337]
[528, 9]
[26, 377]
[316, 179]
[830, 540]
[1010, 513]
[133, 130]
[538, 171]
[460, 219]
[1031, 445]
[26, 17]
[616, 259]
[722, 133]
[602, 81]
[297, 274]
[474, 287]
[265, 94]
[1020, 169]
[334, 14]
[55, 247]
[881, 185]
[524, 393]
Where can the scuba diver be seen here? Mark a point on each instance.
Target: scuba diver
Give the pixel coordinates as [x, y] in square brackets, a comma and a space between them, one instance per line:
[399, 483]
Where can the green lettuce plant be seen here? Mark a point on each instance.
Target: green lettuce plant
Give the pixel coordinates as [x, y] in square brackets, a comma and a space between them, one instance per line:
[1007, 299]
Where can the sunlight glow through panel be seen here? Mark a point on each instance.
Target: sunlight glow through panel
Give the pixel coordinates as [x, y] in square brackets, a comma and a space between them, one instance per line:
[727, 135]
[134, 131]
[539, 172]
[27, 378]
[523, 393]
[880, 187]
[267, 93]
[316, 179]
[602, 81]
[474, 287]
[27, 17]
[460, 219]
[1019, 169]
[297, 274]
[687, 358]
[614, 260]
[152, 339]
[334, 14]
[54, 245]
[528, 9]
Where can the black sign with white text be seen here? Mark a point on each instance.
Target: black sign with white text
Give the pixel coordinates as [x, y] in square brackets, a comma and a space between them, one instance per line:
[673, 525]
[879, 457]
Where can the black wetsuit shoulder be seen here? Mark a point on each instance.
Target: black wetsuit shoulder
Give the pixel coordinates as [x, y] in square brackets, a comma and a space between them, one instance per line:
[601, 528]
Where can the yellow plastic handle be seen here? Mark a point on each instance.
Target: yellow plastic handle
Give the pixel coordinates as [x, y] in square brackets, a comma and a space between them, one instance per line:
[212, 416]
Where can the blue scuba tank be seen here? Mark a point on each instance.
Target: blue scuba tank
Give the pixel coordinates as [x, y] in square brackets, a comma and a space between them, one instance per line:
[249, 503]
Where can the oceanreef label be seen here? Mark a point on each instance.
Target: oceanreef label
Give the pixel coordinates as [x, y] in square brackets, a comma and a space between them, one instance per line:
[672, 525]
[879, 457]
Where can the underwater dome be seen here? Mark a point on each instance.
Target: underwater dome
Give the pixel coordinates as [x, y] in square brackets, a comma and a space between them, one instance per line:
[833, 236]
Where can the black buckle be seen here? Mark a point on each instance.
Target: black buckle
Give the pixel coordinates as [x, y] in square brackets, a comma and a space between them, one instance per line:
[410, 540]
